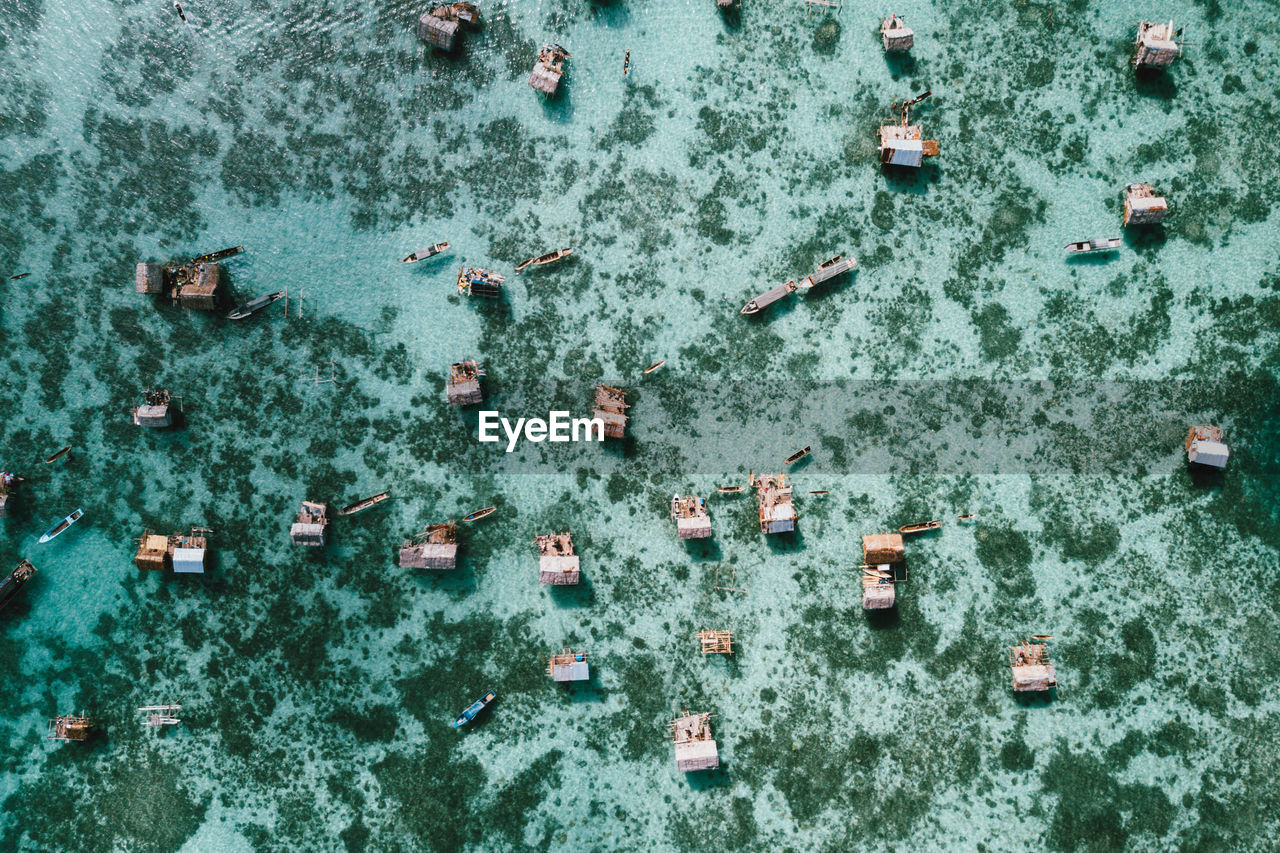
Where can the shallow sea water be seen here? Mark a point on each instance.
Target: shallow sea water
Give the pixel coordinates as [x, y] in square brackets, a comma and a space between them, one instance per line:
[966, 367]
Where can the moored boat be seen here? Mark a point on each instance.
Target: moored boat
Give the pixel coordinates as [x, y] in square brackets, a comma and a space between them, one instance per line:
[764, 300]
[921, 527]
[61, 453]
[362, 505]
[423, 254]
[481, 513]
[61, 526]
[820, 492]
[651, 368]
[549, 257]
[799, 454]
[827, 270]
[14, 581]
[1097, 244]
[474, 708]
[731, 490]
[254, 305]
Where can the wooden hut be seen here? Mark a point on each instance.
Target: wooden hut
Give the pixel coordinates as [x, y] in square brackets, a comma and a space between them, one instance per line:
[611, 408]
[881, 552]
[1156, 45]
[878, 592]
[1032, 670]
[903, 144]
[690, 514]
[190, 284]
[777, 512]
[895, 34]
[1143, 205]
[439, 27]
[184, 553]
[70, 727]
[1205, 446]
[569, 666]
[312, 527]
[716, 642]
[434, 548]
[8, 483]
[473, 281]
[463, 388]
[153, 552]
[15, 581]
[549, 68]
[557, 564]
[154, 413]
[880, 548]
[149, 278]
[695, 747]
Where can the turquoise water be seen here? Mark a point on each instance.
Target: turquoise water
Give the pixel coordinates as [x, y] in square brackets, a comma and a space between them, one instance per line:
[965, 368]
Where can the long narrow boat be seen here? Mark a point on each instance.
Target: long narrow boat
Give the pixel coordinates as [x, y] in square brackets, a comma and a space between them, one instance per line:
[362, 505]
[19, 277]
[1097, 244]
[423, 254]
[548, 258]
[764, 300]
[61, 526]
[481, 513]
[474, 708]
[254, 305]
[731, 490]
[921, 527]
[799, 454]
[820, 492]
[651, 368]
[14, 580]
[217, 256]
[61, 453]
[827, 270]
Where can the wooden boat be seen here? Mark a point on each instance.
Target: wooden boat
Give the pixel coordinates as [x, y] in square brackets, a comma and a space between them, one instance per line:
[731, 490]
[423, 254]
[548, 258]
[362, 505]
[921, 527]
[14, 581]
[651, 368]
[61, 526]
[820, 492]
[217, 256]
[254, 305]
[965, 517]
[799, 454]
[764, 300]
[1097, 244]
[827, 270]
[481, 513]
[19, 276]
[61, 453]
[474, 708]
[1042, 636]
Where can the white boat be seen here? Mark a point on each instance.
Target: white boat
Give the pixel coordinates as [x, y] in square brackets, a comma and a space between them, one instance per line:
[1097, 244]
[423, 254]
[253, 306]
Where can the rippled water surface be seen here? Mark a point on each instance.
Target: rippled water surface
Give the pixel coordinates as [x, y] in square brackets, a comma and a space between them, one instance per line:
[966, 367]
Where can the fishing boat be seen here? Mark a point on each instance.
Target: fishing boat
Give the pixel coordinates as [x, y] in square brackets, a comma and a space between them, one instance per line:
[423, 254]
[61, 453]
[474, 708]
[254, 305]
[548, 258]
[820, 492]
[14, 581]
[61, 526]
[764, 300]
[799, 454]
[827, 270]
[362, 505]
[1097, 244]
[19, 276]
[651, 368]
[921, 527]
[731, 490]
[481, 513]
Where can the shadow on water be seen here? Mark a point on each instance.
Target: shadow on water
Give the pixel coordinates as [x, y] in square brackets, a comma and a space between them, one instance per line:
[883, 620]
[1096, 259]
[1152, 83]
[785, 543]
[1205, 478]
[904, 179]
[703, 550]
[900, 63]
[579, 595]
[706, 780]
[611, 13]
[732, 17]
[590, 690]
[1036, 700]
[558, 107]
[1142, 238]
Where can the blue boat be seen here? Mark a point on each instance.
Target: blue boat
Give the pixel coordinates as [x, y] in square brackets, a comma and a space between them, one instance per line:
[61, 526]
[475, 708]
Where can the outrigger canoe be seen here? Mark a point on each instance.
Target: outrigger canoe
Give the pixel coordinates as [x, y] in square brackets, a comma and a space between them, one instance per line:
[474, 708]
[548, 258]
[362, 505]
[481, 513]
[423, 254]
[61, 526]
[253, 306]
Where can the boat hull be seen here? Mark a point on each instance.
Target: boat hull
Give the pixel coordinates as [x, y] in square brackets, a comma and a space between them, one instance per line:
[61, 527]
[254, 306]
[474, 709]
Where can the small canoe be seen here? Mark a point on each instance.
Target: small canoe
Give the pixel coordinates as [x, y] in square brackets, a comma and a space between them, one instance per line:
[423, 254]
[651, 368]
[799, 454]
[61, 453]
[548, 258]
[61, 526]
[731, 490]
[822, 492]
[1042, 636]
[920, 527]
[253, 306]
[966, 516]
[19, 276]
[481, 513]
[474, 708]
[1097, 244]
[361, 506]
